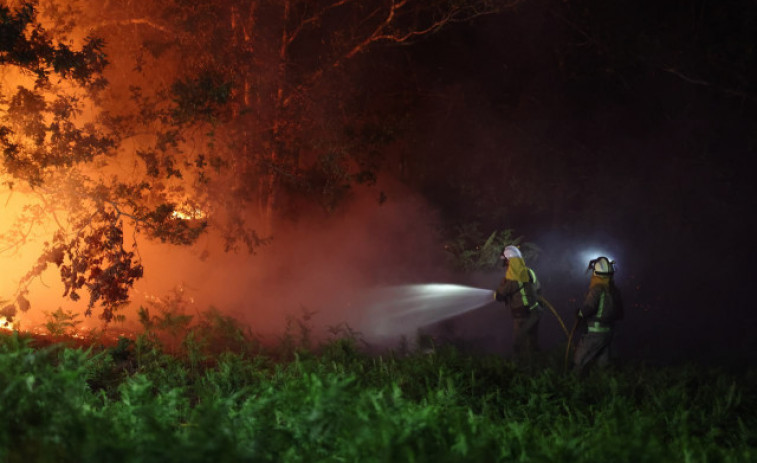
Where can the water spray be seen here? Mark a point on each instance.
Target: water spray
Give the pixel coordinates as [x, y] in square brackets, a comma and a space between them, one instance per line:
[401, 310]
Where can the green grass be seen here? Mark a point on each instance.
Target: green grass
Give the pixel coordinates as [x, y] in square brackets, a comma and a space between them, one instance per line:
[133, 402]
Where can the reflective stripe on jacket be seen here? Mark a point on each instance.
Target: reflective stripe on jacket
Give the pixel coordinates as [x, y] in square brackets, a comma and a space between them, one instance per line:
[602, 307]
[520, 297]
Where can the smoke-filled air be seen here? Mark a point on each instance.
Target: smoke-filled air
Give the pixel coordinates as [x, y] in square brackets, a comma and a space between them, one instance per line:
[363, 166]
[214, 155]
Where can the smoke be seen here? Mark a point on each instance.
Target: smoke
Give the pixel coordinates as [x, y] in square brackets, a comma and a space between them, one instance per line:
[319, 268]
[323, 268]
[321, 265]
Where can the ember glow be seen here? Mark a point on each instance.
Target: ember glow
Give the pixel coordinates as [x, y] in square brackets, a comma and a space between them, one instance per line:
[5, 324]
[186, 212]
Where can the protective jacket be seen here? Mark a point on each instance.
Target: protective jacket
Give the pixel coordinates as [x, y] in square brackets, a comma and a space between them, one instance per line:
[519, 289]
[602, 305]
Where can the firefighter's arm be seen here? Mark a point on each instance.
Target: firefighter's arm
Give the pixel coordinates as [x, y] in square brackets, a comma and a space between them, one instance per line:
[504, 291]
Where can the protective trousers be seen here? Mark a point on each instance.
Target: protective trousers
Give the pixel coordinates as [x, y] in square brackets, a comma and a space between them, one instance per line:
[525, 333]
[593, 348]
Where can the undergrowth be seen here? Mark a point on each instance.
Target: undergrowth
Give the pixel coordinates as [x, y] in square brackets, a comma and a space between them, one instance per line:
[215, 393]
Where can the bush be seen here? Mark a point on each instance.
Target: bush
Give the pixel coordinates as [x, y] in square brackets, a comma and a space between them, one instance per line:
[336, 403]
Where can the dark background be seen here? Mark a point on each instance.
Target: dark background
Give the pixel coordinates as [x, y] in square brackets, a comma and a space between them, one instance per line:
[624, 126]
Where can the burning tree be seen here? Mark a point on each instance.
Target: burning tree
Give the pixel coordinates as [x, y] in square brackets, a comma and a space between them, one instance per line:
[204, 114]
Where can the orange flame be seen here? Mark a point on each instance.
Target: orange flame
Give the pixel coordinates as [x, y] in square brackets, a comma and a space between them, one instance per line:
[5, 324]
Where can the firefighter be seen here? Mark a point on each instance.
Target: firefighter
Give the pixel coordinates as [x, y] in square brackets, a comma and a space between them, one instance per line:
[520, 291]
[602, 307]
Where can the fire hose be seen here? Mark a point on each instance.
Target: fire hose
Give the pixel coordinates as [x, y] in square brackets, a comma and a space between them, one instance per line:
[567, 348]
[564, 328]
[559, 319]
[568, 335]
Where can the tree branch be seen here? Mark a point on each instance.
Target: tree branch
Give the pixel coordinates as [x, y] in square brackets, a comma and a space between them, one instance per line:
[315, 18]
[687, 78]
[133, 22]
[379, 32]
[704, 83]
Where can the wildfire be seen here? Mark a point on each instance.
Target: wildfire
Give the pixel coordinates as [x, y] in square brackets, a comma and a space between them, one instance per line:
[5, 324]
[186, 212]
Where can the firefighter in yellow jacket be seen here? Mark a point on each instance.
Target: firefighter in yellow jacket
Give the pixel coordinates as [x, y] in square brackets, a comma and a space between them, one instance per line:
[602, 307]
[520, 290]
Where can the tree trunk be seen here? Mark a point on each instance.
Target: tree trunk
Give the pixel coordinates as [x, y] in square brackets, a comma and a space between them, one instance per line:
[269, 183]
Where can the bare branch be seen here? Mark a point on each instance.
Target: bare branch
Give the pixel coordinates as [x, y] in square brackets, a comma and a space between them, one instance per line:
[382, 32]
[376, 33]
[688, 79]
[133, 22]
[315, 18]
[465, 13]
[18, 242]
[704, 83]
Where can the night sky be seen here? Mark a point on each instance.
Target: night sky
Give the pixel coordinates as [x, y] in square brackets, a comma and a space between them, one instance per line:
[626, 126]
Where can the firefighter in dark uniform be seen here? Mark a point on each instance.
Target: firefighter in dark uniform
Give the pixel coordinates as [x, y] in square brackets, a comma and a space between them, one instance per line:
[602, 307]
[520, 291]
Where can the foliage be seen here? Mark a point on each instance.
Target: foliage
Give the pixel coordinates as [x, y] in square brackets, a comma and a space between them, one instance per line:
[470, 250]
[168, 328]
[23, 42]
[58, 158]
[62, 404]
[61, 322]
[225, 112]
